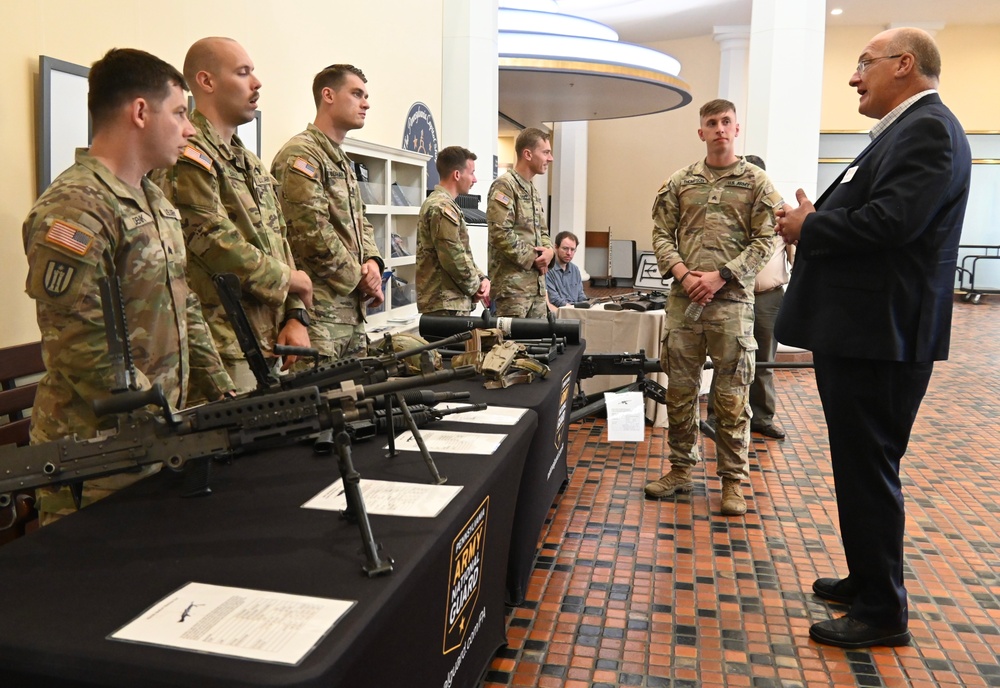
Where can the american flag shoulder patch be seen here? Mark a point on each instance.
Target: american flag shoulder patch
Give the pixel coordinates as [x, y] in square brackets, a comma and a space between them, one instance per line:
[501, 198]
[305, 167]
[450, 213]
[70, 236]
[197, 157]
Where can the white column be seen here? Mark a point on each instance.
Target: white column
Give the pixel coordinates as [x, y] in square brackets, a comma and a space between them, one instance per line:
[469, 92]
[569, 185]
[785, 90]
[734, 47]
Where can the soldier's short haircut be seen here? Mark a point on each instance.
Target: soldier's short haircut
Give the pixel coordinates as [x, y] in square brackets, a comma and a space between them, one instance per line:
[333, 77]
[566, 235]
[451, 159]
[124, 74]
[755, 160]
[528, 139]
[716, 107]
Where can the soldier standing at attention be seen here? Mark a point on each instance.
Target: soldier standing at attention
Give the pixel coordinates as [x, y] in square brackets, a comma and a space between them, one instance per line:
[520, 248]
[713, 223]
[232, 222]
[448, 281]
[103, 218]
[329, 234]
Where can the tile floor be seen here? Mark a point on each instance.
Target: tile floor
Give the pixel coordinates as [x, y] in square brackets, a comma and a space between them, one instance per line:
[632, 592]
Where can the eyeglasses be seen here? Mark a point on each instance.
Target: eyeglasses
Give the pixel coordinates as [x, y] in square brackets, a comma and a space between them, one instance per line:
[863, 64]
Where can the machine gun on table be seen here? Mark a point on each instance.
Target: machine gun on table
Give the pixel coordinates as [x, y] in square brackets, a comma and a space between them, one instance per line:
[219, 429]
[543, 338]
[632, 301]
[364, 369]
[637, 364]
[191, 439]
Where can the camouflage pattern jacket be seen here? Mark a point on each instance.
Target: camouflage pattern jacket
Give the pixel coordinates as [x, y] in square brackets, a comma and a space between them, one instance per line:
[516, 217]
[707, 221]
[447, 276]
[329, 234]
[89, 224]
[232, 223]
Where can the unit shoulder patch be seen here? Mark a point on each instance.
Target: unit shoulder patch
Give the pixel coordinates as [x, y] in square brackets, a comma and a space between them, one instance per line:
[58, 277]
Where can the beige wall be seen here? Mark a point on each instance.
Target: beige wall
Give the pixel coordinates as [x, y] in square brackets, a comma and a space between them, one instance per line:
[288, 41]
[630, 158]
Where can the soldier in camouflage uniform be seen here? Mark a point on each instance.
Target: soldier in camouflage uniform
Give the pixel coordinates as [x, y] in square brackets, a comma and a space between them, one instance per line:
[448, 281]
[713, 226]
[103, 217]
[520, 247]
[329, 234]
[232, 222]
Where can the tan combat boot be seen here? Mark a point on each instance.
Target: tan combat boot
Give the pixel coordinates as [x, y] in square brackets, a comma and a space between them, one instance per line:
[733, 503]
[677, 480]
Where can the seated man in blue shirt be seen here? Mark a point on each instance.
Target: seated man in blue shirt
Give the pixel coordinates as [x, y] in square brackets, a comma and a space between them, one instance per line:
[563, 281]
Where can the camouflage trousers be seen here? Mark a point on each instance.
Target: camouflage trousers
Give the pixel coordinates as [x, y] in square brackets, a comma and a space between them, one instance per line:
[724, 333]
[334, 341]
[522, 307]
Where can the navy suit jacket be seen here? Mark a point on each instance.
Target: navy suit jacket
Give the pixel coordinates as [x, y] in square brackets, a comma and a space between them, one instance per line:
[875, 268]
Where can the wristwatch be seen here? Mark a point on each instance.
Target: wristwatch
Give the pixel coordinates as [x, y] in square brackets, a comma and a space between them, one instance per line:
[725, 273]
[300, 314]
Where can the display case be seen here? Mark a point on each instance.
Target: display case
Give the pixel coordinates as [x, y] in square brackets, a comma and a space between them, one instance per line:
[393, 185]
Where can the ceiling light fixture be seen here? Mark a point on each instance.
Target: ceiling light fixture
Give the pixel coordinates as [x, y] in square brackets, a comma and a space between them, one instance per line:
[555, 68]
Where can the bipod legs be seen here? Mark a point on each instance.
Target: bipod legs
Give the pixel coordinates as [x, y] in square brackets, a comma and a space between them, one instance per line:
[418, 438]
[356, 511]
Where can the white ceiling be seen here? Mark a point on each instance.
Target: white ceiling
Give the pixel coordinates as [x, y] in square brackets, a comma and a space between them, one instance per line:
[649, 21]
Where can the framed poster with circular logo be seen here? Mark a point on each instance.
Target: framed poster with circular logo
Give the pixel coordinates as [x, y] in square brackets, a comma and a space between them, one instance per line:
[420, 136]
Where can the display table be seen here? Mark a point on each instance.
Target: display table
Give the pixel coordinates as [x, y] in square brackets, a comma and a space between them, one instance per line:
[64, 589]
[545, 469]
[616, 332]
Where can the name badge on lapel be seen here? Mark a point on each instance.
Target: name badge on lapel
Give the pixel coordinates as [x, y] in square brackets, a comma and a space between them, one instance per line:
[849, 175]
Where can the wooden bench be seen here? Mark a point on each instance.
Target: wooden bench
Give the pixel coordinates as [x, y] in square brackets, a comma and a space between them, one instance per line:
[20, 368]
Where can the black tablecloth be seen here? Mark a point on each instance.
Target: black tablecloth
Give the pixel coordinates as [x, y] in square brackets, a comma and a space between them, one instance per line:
[64, 589]
[545, 469]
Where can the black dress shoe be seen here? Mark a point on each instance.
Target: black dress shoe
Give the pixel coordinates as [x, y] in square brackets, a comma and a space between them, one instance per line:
[840, 590]
[768, 430]
[851, 633]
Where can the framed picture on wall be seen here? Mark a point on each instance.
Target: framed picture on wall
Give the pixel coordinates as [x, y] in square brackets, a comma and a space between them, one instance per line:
[63, 119]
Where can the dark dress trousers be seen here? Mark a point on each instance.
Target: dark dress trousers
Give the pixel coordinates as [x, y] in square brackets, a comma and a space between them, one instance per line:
[871, 297]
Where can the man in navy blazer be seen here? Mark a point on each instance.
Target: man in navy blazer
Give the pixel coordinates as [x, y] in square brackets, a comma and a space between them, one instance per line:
[871, 297]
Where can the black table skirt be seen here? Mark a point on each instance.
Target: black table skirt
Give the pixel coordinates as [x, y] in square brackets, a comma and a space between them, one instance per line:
[545, 469]
[64, 589]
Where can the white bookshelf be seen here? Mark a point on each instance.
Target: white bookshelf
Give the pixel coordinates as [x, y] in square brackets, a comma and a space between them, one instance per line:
[394, 219]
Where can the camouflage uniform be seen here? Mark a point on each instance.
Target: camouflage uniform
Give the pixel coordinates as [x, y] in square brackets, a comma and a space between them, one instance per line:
[709, 220]
[89, 224]
[447, 276]
[516, 218]
[232, 223]
[330, 237]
